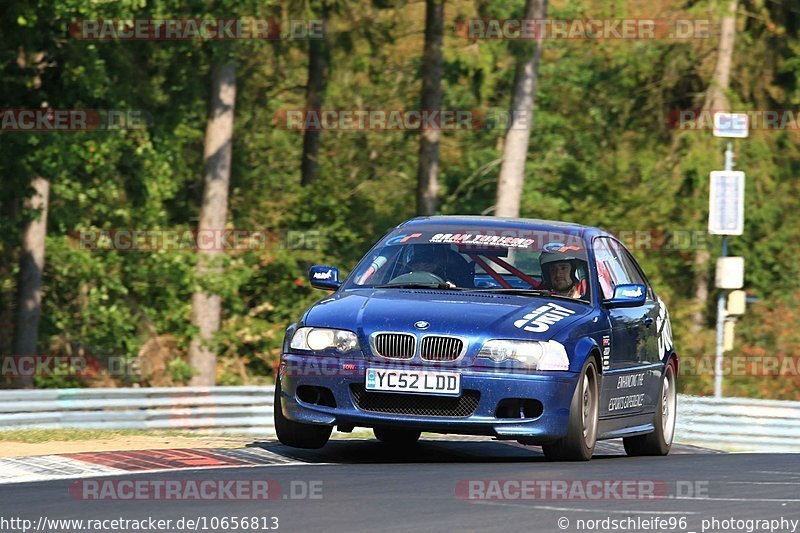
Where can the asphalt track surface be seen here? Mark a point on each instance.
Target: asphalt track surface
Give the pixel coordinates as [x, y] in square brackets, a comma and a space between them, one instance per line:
[368, 486]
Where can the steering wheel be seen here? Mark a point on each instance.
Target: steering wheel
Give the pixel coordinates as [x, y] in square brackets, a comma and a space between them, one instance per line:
[417, 277]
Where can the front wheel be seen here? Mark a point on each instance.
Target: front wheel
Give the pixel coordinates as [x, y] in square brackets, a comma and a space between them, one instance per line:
[659, 441]
[578, 444]
[297, 434]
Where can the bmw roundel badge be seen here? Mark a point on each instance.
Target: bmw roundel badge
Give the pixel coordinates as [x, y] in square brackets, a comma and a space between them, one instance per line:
[421, 325]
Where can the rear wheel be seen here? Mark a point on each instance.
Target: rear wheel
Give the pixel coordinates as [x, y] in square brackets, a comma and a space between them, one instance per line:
[578, 444]
[297, 434]
[396, 436]
[659, 441]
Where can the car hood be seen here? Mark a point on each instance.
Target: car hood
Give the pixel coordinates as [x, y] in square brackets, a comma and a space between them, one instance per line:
[474, 315]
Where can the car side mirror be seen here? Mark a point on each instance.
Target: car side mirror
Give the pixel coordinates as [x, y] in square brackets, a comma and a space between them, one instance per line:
[627, 295]
[324, 277]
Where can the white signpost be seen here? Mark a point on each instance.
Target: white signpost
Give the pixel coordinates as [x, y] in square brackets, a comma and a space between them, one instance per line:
[735, 125]
[726, 217]
[726, 203]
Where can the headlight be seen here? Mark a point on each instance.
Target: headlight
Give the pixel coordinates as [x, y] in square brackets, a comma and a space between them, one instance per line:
[318, 339]
[549, 355]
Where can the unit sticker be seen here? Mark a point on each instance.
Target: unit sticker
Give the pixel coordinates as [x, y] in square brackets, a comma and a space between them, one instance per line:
[543, 317]
[664, 329]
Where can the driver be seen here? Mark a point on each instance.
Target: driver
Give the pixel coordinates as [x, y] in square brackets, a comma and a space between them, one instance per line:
[560, 270]
[425, 258]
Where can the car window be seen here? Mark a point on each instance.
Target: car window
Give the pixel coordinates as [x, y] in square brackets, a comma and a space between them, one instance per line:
[615, 265]
[631, 272]
[634, 271]
[610, 269]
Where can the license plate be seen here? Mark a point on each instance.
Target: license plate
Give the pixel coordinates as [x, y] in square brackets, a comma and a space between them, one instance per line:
[420, 382]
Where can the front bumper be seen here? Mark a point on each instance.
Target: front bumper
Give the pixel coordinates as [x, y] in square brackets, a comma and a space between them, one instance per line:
[553, 389]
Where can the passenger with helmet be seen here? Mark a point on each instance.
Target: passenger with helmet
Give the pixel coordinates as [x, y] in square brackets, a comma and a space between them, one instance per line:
[560, 266]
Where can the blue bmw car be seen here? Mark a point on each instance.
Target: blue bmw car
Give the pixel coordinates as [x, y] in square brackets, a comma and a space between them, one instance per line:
[546, 333]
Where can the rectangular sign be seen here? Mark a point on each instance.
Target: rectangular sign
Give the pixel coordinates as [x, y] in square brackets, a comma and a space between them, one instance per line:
[726, 203]
[734, 125]
[730, 273]
[420, 382]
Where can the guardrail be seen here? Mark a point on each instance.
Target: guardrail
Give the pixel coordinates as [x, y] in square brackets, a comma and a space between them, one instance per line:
[729, 423]
[218, 409]
[739, 424]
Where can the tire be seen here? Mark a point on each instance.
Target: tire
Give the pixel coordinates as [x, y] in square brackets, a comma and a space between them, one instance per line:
[297, 434]
[396, 436]
[659, 441]
[581, 437]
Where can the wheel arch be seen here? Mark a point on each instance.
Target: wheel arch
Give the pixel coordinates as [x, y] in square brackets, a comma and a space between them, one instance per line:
[585, 348]
[673, 359]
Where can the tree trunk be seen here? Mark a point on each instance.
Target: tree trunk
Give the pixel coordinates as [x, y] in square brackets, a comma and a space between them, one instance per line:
[428, 166]
[318, 59]
[515, 147]
[207, 308]
[715, 100]
[30, 274]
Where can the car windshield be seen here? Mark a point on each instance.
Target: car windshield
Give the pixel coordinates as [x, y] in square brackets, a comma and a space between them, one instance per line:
[485, 259]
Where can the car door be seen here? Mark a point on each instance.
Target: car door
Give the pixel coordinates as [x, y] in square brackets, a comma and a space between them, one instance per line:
[650, 359]
[626, 379]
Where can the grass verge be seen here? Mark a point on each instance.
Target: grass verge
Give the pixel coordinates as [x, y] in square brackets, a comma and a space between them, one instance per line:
[47, 435]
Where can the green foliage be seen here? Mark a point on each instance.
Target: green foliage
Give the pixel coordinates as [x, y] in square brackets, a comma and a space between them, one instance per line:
[180, 371]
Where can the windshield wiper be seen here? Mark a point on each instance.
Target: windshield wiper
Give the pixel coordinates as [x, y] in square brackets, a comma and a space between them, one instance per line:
[528, 292]
[445, 285]
[512, 290]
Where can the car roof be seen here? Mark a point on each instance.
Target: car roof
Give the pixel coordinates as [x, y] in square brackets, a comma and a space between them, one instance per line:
[504, 222]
